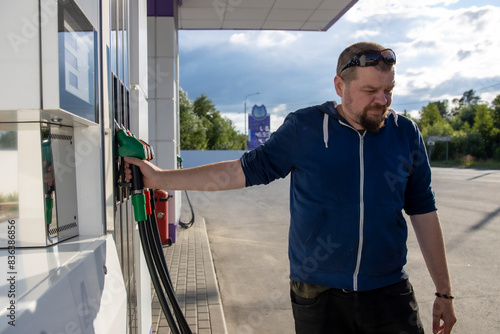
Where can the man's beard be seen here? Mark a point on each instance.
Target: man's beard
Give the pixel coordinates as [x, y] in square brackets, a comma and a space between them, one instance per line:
[374, 123]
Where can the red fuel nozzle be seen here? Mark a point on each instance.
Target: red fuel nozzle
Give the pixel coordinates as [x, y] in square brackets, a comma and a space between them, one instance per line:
[149, 210]
[149, 150]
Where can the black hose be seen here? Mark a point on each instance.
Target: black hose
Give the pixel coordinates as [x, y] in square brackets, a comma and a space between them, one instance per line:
[151, 254]
[154, 277]
[191, 222]
[162, 268]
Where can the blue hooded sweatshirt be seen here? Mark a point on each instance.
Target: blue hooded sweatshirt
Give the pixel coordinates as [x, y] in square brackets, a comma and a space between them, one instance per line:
[347, 193]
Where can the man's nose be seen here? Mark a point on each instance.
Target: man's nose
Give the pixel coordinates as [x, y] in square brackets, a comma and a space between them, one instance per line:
[381, 98]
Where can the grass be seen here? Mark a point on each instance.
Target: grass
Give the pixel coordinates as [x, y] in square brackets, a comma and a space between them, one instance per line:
[467, 163]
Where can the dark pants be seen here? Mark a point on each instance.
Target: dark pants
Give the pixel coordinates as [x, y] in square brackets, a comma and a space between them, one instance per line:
[389, 310]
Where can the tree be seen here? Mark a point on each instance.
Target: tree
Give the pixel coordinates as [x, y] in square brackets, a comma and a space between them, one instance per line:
[193, 134]
[483, 121]
[495, 113]
[465, 118]
[469, 97]
[484, 125]
[429, 115]
[467, 143]
[473, 126]
[223, 136]
[432, 124]
[442, 107]
[465, 109]
[203, 107]
[204, 127]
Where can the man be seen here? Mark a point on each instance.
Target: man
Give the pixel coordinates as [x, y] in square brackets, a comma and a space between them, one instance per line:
[354, 167]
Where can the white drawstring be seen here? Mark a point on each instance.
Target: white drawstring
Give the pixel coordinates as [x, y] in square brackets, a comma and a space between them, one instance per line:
[325, 129]
[326, 119]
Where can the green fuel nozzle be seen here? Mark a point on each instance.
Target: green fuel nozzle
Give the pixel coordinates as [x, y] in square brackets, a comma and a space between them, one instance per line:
[139, 204]
[129, 146]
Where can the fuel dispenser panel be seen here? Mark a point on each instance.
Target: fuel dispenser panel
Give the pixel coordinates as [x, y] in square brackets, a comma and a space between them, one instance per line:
[38, 197]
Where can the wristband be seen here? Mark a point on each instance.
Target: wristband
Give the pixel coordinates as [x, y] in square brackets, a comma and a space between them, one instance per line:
[442, 295]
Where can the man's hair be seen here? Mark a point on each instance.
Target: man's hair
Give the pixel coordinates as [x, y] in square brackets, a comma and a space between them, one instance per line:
[350, 73]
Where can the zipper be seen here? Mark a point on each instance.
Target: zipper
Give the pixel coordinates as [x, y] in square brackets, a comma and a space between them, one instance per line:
[361, 205]
[361, 211]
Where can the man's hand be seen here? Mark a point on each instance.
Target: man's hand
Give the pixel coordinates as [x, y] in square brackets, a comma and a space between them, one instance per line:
[150, 173]
[430, 239]
[444, 310]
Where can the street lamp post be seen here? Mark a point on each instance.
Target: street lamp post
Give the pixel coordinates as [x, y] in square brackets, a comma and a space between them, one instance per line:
[246, 110]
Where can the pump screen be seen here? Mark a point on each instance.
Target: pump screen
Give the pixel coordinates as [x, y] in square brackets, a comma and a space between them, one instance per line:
[77, 41]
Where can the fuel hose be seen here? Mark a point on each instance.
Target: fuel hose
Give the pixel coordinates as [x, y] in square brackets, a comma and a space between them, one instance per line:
[139, 205]
[161, 266]
[143, 205]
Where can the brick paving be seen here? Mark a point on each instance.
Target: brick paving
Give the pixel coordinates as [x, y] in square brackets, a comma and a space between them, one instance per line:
[193, 276]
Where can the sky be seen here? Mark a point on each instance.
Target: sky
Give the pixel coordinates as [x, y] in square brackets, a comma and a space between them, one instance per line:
[443, 48]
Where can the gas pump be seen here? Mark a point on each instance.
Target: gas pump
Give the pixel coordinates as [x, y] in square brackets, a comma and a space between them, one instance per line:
[143, 204]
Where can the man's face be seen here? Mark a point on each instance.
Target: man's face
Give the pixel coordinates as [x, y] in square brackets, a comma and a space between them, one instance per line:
[365, 100]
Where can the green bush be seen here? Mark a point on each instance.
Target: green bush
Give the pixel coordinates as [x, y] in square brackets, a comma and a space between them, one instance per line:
[467, 143]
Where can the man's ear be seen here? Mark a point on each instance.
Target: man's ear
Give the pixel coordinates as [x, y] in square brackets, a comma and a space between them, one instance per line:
[339, 85]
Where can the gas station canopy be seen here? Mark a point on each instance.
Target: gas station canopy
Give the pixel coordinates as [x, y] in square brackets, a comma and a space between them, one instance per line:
[303, 15]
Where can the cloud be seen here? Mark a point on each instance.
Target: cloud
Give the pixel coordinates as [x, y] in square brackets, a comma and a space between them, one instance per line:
[278, 114]
[264, 39]
[193, 40]
[474, 15]
[418, 93]
[442, 51]
[379, 12]
[443, 47]
[240, 38]
[365, 34]
[462, 54]
[425, 45]
[447, 53]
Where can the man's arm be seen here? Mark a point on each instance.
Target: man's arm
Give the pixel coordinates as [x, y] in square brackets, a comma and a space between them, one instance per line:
[213, 177]
[430, 239]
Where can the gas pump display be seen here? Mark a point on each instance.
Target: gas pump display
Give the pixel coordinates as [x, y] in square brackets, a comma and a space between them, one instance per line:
[77, 62]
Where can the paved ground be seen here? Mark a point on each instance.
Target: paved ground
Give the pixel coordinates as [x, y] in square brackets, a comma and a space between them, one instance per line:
[248, 236]
[193, 277]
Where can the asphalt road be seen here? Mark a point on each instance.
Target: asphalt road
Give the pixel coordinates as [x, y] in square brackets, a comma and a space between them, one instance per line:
[248, 231]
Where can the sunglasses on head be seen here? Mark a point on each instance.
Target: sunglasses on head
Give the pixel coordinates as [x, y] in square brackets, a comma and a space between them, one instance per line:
[371, 58]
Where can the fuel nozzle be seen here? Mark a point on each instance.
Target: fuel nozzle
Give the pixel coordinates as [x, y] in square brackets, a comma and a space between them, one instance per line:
[130, 146]
[149, 150]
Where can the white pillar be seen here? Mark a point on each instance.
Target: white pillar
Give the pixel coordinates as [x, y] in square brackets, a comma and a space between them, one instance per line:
[162, 99]
[139, 69]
